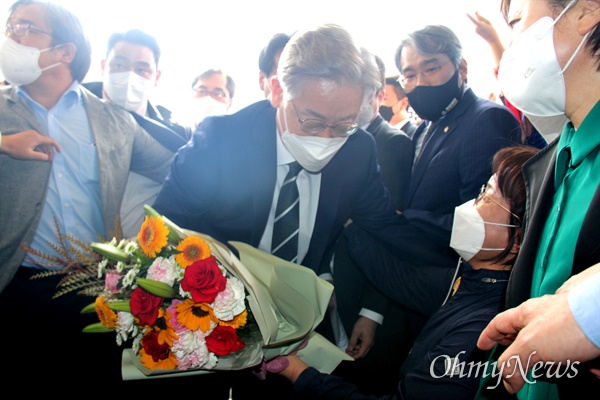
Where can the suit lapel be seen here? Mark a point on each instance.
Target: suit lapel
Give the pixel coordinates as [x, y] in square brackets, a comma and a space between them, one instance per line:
[261, 160]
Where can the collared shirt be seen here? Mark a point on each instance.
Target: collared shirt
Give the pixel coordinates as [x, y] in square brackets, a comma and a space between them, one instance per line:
[577, 175]
[309, 188]
[73, 196]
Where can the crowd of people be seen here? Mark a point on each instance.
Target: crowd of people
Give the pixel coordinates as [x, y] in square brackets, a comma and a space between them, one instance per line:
[458, 240]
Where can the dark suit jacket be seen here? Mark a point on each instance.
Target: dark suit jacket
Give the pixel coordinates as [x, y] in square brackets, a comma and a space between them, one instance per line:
[452, 168]
[221, 183]
[539, 177]
[409, 128]
[395, 156]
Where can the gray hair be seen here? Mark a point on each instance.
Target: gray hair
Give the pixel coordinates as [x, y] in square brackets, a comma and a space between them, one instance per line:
[326, 52]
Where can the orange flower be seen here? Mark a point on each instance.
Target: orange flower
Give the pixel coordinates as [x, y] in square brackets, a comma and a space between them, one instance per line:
[107, 317]
[166, 333]
[195, 315]
[237, 322]
[192, 249]
[153, 236]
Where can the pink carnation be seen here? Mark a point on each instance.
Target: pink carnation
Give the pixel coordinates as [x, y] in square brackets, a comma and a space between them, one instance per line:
[111, 282]
[163, 270]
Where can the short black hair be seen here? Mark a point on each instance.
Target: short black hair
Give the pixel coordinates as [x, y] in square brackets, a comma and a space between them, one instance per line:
[135, 36]
[266, 59]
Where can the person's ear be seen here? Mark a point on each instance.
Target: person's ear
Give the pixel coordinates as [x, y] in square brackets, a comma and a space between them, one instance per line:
[590, 16]
[463, 70]
[158, 73]
[68, 52]
[276, 92]
[517, 245]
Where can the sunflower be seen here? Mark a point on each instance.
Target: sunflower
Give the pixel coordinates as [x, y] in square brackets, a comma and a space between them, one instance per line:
[195, 315]
[153, 236]
[192, 249]
[166, 333]
[107, 316]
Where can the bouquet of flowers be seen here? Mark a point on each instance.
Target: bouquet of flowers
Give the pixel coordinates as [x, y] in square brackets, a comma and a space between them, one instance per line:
[185, 303]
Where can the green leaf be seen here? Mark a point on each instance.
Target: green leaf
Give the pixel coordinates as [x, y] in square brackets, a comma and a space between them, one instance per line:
[97, 328]
[122, 305]
[109, 251]
[90, 308]
[157, 288]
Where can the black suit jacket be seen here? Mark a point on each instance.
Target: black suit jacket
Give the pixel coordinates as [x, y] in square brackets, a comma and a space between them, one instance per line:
[221, 183]
[451, 169]
[395, 157]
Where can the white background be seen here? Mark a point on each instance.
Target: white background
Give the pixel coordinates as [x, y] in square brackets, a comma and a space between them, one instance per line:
[198, 34]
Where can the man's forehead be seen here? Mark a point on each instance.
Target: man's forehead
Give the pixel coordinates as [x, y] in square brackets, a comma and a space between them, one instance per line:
[132, 52]
[34, 14]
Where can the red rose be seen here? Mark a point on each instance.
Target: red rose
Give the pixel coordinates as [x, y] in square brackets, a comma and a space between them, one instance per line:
[153, 348]
[204, 280]
[223, 341]
[144, 306]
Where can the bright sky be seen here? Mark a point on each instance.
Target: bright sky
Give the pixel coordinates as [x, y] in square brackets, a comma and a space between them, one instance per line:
[196, 35]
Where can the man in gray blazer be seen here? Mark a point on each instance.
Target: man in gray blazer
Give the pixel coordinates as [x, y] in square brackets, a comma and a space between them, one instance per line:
[80, 190]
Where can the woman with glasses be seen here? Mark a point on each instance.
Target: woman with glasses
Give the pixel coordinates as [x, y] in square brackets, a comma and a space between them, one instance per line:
[445, 361]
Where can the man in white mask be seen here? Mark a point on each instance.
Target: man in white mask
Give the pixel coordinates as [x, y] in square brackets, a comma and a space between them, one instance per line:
[227, 181]
[46, 55]
[130, 73]
[213, 92]
[552, 68]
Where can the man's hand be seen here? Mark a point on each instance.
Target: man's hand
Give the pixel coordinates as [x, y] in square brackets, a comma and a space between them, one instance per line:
[363, 338]
[29, 145]
[540, 329]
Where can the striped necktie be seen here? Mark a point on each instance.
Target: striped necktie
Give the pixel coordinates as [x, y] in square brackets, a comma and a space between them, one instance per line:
[286, 225]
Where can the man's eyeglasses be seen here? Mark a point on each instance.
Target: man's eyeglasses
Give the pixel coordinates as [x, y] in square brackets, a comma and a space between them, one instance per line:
[22, 30]
[316, 126]
[483, 196]
[409, 80]
[218, 94]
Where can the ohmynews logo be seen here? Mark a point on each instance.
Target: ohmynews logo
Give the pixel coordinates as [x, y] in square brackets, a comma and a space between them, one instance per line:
[549, 369]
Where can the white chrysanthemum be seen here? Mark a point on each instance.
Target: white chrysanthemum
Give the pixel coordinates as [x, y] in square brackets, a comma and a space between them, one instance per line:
[129, 278]
[230, 302]
[163, 270]
[131, 248]
[126, 327]
[102, 267]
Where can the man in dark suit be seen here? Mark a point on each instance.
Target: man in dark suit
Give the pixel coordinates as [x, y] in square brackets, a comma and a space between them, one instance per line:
[226, 181]
[395, 105]
[453, 147]
[362, 308]
[130, 71]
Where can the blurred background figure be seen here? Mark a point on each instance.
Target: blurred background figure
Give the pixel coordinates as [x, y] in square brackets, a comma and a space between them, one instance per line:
[395, 108]
[268, 61]
[213, 92]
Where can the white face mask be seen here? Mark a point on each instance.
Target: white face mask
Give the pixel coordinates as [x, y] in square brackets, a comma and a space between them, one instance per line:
[468, 231]
[128, 90]
[20, 63]
[313, 153]
[207, 106]
[529, 73]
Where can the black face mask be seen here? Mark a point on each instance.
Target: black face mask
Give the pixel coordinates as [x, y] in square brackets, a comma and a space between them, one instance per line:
[386, 112]
[432, 102]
